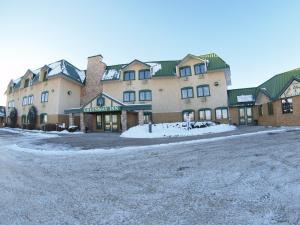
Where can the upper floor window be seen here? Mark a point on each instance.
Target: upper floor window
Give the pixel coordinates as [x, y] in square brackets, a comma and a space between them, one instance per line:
[30, 100]
[200, 68]
[205, 114]
[26, 83]
[187, 92]
[44, 96]
[144, 74]
[185, 71]
[11, 104]
[100, 101]
[24, 102]
[129, 96]
[287, 105]
[145, 95]
[203, 90]
[129, 75]
[221, 113]
[30, 82]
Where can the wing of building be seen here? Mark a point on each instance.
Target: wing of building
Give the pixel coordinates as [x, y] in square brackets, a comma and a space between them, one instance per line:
[273, 103]
[116, 97]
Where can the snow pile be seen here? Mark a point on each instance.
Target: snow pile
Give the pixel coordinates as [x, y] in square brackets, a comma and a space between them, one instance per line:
[37, 132]
[175, 130]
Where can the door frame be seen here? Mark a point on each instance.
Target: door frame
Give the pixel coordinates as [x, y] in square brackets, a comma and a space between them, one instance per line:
[246, 115]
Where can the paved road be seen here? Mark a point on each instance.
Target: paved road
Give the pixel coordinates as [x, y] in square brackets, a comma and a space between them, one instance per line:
[243, 180]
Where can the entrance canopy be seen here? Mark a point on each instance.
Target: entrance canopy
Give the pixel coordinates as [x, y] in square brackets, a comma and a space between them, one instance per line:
[105, 103]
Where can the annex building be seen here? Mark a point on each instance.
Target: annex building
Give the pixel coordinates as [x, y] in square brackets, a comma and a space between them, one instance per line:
[116, 97]
[275, 102]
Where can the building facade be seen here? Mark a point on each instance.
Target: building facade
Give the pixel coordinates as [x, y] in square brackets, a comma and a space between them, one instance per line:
[275, 102]
[193, 88]
[117, 97]
[44, 93]
[2, 116]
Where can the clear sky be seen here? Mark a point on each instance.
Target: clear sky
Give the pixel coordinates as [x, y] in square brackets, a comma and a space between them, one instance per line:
[257, 39]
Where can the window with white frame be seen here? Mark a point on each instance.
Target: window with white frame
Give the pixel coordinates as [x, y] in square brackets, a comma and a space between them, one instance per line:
[187, 92]
[221, 113]
[145, 95]
[44, 96]
[205, 114]
[24, 102]
[11, 104]
[203, 90]
[30, 99]
[287, 105]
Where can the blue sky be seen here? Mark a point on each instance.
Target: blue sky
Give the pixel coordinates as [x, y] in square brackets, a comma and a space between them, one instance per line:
[257, 39]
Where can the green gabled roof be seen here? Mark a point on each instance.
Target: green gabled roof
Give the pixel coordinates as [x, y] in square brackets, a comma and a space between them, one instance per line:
[277, 84]
[233, 93]
[168, 68]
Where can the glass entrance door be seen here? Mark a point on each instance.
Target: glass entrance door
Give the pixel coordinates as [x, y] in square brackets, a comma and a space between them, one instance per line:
[245, 116]
[111, 122]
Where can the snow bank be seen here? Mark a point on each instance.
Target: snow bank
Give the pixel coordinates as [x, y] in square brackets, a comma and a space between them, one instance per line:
[38, 132]
[173, 130]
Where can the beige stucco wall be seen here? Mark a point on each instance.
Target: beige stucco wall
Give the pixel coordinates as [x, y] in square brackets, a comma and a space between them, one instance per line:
[58, 99]
[166, 91]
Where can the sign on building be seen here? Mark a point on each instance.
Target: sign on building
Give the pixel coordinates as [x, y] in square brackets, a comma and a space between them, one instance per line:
[245, 98]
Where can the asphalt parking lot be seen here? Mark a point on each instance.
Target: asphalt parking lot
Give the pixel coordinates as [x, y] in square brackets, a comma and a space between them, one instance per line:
[241, 180]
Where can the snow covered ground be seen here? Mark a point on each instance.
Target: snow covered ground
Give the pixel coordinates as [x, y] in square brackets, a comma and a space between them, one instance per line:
[175, 130]
[246, 179]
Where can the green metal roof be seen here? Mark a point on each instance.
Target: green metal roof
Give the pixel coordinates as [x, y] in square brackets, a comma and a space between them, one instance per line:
[232, 95]
[273, 87]
[168, 68]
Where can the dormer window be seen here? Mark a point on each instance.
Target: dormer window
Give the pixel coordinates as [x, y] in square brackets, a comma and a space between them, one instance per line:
[185, 71]
[200, 68]
[26, 83]
[129, 75]
[144, 74]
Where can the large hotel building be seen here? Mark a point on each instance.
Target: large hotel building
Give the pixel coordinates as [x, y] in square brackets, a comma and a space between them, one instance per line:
[117, 97]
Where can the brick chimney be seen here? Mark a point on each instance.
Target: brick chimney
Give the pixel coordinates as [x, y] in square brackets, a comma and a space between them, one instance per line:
[94, 72]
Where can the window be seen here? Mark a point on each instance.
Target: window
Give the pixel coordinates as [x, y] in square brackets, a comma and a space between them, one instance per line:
[185, 71]
[129, 75]
[260, 110]
[23, 119]
[221, 113]
[188, 115]
[145, 95]
[43, 118]
[147, 117]
[200, 68]
[44, 96]
[287, 105]
[99, 121]
[205, 114]
[30, 100]
[187, 92]
[30, 83]
[100, 101]
[129, 96]
[26, 83]
[24, 102]
[144, 74]
[11, 104]
[203, 90]
[270, 108]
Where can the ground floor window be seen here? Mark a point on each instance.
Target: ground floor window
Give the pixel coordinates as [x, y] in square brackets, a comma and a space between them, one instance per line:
[260, 110]
[287, 105]
[188, 115]
[270, 108]
[99, 121]
[43, 118]
[221, 113]
[147, 117]
[23, 119]
[205, 114]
